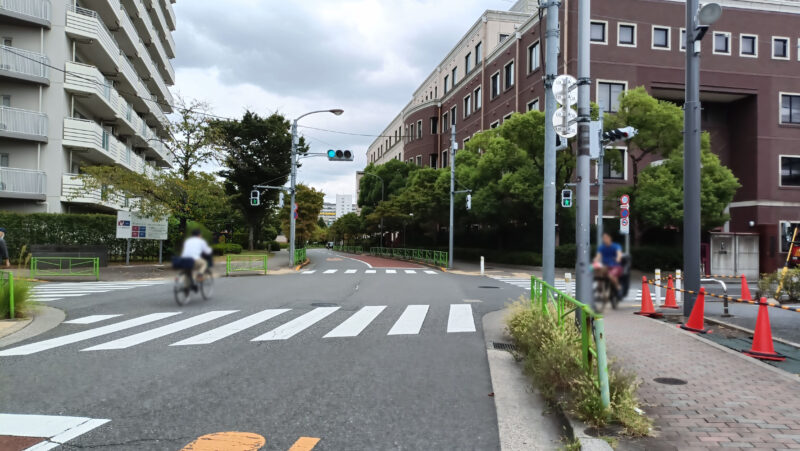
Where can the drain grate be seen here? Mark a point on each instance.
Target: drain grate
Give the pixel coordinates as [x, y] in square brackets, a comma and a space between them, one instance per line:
[324, 304]
[504, 346]
[670, 381]
[487, 286]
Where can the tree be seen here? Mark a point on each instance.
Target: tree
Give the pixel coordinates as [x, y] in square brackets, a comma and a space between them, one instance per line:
[394, 174]
[659, 196]
[257, 151]
[349, 226]
[309, 202]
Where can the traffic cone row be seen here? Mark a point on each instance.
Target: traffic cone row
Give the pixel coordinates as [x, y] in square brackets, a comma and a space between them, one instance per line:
[696, 321]
[762, 347]
[670, 301]
[647, 302]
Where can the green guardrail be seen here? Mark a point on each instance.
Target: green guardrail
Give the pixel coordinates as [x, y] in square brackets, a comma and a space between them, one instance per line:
[7, 283]
[349, 249]
[593, 342]
[245, 263]
[436, 258]
[65, 266]
[299, 256]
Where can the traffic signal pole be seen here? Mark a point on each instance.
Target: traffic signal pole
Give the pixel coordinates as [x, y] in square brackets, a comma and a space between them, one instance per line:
[452, 192]
[600, 177]
[549, 188]
[583, 269]
[292, 189]
[691, 163]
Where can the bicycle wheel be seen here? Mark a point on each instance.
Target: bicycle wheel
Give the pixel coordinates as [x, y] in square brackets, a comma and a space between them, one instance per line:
[601, 294]
[182, 290]
[207, 285]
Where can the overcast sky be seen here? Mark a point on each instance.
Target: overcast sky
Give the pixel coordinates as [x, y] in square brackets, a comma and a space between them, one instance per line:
[364, 56]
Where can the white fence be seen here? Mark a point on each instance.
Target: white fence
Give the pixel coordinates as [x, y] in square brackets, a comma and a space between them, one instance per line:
[23, 62]
[24, 122]
[22, 181]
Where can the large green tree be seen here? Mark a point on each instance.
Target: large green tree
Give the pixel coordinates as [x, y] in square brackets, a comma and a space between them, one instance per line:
[309, 203]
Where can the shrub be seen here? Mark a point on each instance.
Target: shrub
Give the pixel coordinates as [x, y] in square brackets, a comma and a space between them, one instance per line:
[226, 248]
[565, 256]
[768, 284]
[273, 246]
[649, 258]
[22, 299]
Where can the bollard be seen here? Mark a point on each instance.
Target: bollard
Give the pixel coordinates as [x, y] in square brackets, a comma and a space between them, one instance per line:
[658, 287]
[481, 264]
[678, 285]
[567, 282]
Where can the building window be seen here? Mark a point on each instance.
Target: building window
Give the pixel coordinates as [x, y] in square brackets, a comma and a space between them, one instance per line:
[790, 170]
[495, 85]
[478, 98]
[503, 37]
[453, 115]
[748, 45]
[464, 146]
[598, 32]
[660, 37]
[434, 126]
[445, 123]
[446, 81]
[5, 100]
[683, 39]
[608, 95]
[790, 108]
[467, 63]
[7, 41]
[534, 57]
[419, 128]
[509, 75]
[533, 105]
[467, 105]
[626, 35]
[507, 117]
[419, 160]
[495, 124]
[3, 160]
[455, 76]
[614, 167]
[412, 131]
[432, 160]
[444, 158]
[785, 239]
[478, 53]
[722, 43]
[780, 48]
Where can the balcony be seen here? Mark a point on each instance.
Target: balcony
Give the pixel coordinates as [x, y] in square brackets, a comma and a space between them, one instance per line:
[73, 191]
[22, 184]
[164, 63]
[155, 7]
[24, 65]
[126, 35]
[99, 145]
[147, 32]
[170, 14]
[156, 83]
[26, 11]
[23, 124]
[93, 88]
[88, 29]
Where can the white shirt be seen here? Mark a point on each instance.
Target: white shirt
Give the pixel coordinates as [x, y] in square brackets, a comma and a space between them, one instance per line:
[195, 247]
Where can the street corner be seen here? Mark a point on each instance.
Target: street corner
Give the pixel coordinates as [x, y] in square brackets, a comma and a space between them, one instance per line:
[243, 441]
[42, 432]
[43, 318]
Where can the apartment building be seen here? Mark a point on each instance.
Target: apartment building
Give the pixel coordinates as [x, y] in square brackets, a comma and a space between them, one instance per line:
[82, 82]
[750, 90]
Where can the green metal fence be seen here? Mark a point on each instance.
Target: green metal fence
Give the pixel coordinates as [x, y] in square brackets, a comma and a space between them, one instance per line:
[65, 266]
[299, 256]
[7, 284]
[436, 258]
[593, 343]
[349, 249]
[243, 263]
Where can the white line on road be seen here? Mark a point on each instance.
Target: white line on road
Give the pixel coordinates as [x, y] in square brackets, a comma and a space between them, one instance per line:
[351, 271]
[410, 322]
[410, 271]
[330, 271]
[56, 429]
[460, 319]
[61, 295]
[46, 299]
[431, 272]
[85, 335]
[369, 271]
[309, 272]
[68, 292]
[359, 321]
[297, 325]
[90, 319]
[391, 271]
[133, 340]
[229, 329]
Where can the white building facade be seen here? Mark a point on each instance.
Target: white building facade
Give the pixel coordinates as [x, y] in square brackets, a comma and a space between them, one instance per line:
[344, 205]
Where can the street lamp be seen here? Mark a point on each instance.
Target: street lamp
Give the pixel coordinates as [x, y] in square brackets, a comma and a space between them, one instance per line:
[697, 22]
[292, 218]
[405, 227]
[382, 187]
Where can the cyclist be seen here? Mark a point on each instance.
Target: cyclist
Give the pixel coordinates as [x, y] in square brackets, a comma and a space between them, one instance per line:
[609, 256]
[196, 248]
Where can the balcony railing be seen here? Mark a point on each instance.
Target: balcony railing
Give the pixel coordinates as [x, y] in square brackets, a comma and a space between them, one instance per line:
[37, 9]
[22, 181]
[24, 62]
[141, 13]
[88, 24]
[85, 134]
[162, 22]
[73, 190]
[23, 122]
[170, 14]
[165, 62]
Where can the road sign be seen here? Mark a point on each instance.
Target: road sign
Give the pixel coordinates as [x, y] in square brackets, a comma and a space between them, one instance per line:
[131, 225]
[625, 199]
[565, 90]
[624, 212]
[624, 226]
[571, 128]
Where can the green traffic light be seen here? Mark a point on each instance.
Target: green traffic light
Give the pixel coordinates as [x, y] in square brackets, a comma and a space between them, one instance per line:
[331, 153]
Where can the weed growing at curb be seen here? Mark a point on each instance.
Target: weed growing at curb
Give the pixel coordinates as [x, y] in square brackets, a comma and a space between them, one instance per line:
[22, 299]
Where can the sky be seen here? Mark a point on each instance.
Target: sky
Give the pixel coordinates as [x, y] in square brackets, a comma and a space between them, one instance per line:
[294, 56]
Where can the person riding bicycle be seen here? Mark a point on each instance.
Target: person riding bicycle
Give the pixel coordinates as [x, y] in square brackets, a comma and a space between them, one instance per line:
[196, 248]
[609, 255]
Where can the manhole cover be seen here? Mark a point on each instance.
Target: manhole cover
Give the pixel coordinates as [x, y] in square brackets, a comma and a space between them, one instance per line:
[504, 346]
[324, 304]
[670, 381]
[487, 286]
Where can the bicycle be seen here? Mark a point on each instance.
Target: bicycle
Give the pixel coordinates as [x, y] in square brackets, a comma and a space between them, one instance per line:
[185, 284]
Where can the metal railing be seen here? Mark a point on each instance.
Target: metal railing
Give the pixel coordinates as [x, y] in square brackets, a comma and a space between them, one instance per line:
[40, 9]
[88, 23]
[299, 256]
[22, 181]
[65, 267]
[7, 286]
[73, 190]
[24, 62]
[242, 263]
[436, 258]
[593, 344]
[349, 249]
[25, 122]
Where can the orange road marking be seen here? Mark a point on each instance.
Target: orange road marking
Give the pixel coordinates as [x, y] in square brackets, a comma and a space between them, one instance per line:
[227, 441]
[304, 444]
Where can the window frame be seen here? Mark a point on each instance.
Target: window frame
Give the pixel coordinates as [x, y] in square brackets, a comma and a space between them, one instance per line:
[7, 157]
[781, 239]
[454, 73]
[478, 94]
[507, 116]
[788, 49]
[411, 132]
[653, 45]
[445, 158]
[492, 94]
[755, 45]
[681, 37]
[780, 168]
[606, 81]
[538, 58]
[478, 53]
[453, 115]
[445, 121]
[419, 129]
[729, 36]
[533, 100]
[434, 126]
[501, 39]
[780, 108]
[467, 102]
[494, 125]
[624, 177]
[446, 77]
[604, 23]
[464, 142]
[506, 73]
[467, 61]
[419, 161]
[635, 34]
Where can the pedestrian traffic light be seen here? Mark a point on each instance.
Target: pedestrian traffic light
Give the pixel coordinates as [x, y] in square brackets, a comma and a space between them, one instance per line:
[255, 198]
[340, 155]
[469, 201]
[620, 134]
[566, 198]
[280, 199]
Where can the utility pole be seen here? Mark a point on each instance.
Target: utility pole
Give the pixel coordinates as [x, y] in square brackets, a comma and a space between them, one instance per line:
[292, 190]
[691, 163]
[549, 190]
[452, 191]
[582, 268]
[600, 177]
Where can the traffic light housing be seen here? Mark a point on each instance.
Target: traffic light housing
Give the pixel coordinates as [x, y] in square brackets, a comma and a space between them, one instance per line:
[620, 134]
[280, 199]
[340, 155]
[566, 198]
[469, 201]
[255, 198]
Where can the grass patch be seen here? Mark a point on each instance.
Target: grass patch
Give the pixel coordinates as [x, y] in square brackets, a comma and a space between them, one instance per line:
[22, 299]
[551, 355]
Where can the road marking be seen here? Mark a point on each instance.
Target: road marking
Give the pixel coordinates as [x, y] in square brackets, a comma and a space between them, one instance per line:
[85, 335]
[351, 271]
[356, 324]
[410, 322]
[64, 295]
[228, 441]
[330, 271]
[229, 329]
[304, 444]
[309, 272]
[430, 272]
[391, 271]
[410, 271]
[56, 430]
[90, 319]
[460, 319]
[47, 299]
[369, 271]
[133, 340]
[297, 325]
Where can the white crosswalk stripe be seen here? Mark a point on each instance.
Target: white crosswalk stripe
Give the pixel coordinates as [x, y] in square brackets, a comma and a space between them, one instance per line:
[410, 271]
[90, 319]
[431, 272]
[370, 271]
[229, 329]
[351, 271]
[297, 325]
[309, 272]
[357, 322]
[460, 319]
[410, 322]
[330, 271]
[48, 292]
[391, 271]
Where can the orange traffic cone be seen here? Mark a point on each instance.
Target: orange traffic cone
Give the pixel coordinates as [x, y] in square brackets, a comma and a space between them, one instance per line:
[762, 338]
[670, 301]
[696, 321]
[647, 302]
[745, 290]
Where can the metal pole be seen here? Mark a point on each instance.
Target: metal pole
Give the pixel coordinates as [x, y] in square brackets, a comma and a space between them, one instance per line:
[128, 252]
[582, 268]
[294, 180]
[691, 163]
[160, 252]
[382, 185]
[600, 177]
[452, 192]
[549, 190]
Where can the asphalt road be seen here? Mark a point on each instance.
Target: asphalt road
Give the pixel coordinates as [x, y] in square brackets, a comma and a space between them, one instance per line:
[396, 377]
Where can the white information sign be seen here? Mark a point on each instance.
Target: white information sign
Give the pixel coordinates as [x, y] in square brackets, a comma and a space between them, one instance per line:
[624, 226]
[131, 225]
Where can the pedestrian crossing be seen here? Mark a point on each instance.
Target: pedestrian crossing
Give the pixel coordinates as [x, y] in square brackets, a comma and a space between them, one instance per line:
[371, 271]
[460, 319]
[48, 292]
[561, 285]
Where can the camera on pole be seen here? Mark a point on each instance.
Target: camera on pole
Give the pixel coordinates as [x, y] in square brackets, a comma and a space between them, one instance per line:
[255, 198]
[620, 134]
[340, 155]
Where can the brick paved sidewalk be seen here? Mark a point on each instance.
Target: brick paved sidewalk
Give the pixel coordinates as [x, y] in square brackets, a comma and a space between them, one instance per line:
[729, 401]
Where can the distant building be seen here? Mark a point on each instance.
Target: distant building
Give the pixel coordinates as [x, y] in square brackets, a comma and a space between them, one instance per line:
[328, 213]
[344, 204]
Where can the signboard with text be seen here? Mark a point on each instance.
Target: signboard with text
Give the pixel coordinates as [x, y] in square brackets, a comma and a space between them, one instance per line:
[131, 225]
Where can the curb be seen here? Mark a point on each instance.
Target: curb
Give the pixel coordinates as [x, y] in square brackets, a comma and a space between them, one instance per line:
[750, 331]
[44, 319]
[301, 265]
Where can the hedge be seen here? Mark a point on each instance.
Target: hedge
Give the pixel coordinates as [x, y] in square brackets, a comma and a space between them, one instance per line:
[226, 248]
